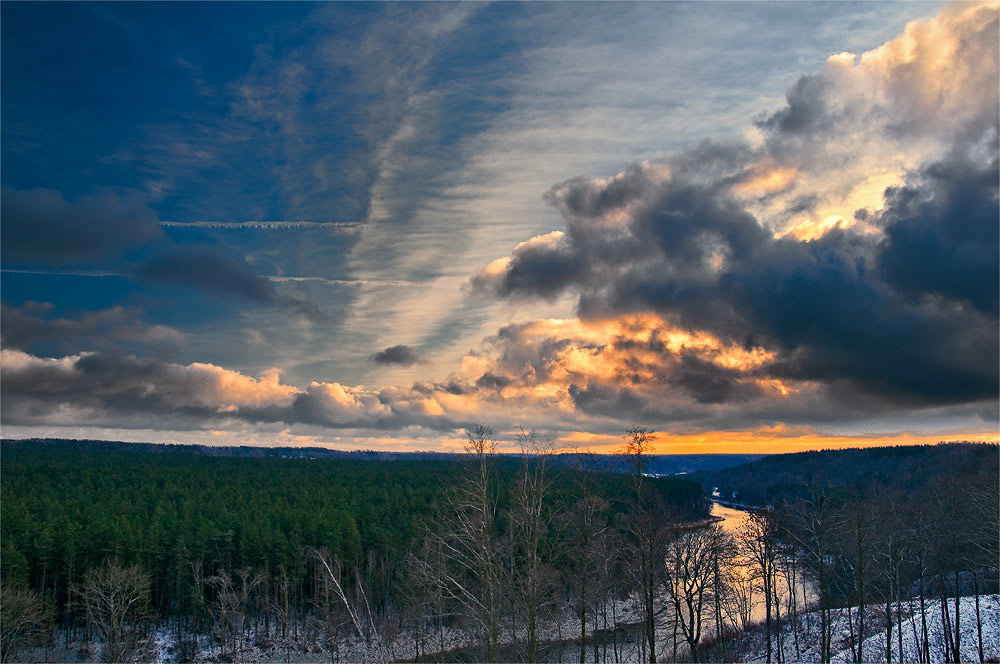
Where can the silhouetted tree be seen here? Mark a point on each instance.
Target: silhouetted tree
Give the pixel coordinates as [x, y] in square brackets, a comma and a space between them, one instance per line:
[691, 570]
[648, 532]
[472, 568]
[587, 527]
[758, 538]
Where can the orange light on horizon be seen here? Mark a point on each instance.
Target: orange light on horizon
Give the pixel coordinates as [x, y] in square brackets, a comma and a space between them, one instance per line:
[770, 440]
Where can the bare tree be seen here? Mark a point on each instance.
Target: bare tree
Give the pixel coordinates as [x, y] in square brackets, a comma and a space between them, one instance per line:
[984, 551]
[758, 537]
[857, 549]
[788, 568]
[331, 571]
[530, 522]
[888, 556]
[23, 619]
[586, 529]
[116, 598]
[647, 531]
[472, 572]
[232, 602]
[741, 597]
[813, 528]
[723, 560]
[691, 570]
[281, 607]
[429, 598]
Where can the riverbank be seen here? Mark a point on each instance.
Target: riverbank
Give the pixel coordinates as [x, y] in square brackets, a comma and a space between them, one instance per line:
[799, 640]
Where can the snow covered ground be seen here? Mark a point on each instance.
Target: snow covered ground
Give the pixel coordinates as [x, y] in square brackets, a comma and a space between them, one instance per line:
[753, 646]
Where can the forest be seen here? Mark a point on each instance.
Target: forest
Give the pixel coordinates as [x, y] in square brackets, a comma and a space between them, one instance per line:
[110, 548]
[909, 469]
[233, 546]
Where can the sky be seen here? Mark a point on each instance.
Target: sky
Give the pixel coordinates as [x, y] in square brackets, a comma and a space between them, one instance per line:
[746, 226]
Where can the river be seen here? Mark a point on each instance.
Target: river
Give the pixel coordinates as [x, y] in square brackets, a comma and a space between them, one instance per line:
[733, 521]
[744, 605]
[733, 518]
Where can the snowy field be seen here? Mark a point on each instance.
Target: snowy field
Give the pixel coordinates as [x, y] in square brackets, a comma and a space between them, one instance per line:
[162, 647]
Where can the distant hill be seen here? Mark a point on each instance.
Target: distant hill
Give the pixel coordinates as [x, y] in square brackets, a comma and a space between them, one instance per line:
[242, 451]
[657, 464]
[906, 468]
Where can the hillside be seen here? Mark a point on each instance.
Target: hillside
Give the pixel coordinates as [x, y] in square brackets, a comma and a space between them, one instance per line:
[904, 468]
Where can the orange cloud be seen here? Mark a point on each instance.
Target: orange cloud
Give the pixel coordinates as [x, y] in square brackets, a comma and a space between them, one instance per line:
[767, 180]
[210, 384]
[343, 403]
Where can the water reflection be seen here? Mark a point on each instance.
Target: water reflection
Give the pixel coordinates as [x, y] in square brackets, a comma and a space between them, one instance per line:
[744, 574]
[742, 604]
[734, 518]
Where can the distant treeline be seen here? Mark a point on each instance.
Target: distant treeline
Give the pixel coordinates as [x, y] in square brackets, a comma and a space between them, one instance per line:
[656, 464]
[779, 477]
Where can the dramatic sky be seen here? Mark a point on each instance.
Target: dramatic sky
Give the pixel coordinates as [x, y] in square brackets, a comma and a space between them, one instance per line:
[747, 226]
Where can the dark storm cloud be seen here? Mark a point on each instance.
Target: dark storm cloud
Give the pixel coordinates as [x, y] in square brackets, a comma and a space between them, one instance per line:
[579, 198]
[453, 387]
[689, 220]
[213, 272]
[404, 355]
[690, 223]
[542, 271]
[899, 310]
[628, 403]
[117, 385]
[708, 383]
[941, 236]
[30, 324]
[492, 381]
[41, 227]
[607, 400]
[843, 307]
[209, 271]
[822, 304]
[806, 110]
